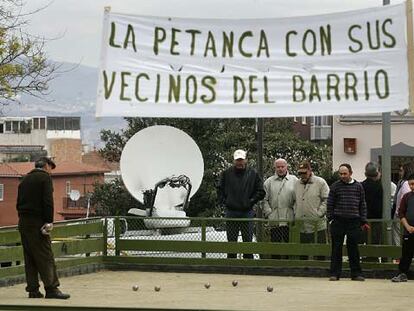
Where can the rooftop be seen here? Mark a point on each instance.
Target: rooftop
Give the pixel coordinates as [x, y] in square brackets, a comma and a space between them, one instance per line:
[18, 169]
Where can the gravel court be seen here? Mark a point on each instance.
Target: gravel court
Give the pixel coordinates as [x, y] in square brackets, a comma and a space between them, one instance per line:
[187, 291]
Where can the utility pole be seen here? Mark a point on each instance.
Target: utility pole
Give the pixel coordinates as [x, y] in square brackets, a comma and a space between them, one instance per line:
[386, 165]
[259, 141]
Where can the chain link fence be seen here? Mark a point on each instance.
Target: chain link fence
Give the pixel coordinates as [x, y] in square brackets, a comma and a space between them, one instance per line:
[225, 229]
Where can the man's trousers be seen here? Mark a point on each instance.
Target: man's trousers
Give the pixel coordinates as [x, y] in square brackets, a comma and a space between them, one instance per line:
[38, 255]
[351, 228]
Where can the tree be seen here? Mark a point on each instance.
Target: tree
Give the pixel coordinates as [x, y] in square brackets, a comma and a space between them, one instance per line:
[217, 140]
[112, 199]
[24, 68]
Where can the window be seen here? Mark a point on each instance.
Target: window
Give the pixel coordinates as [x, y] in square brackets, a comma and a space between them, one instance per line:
[42, 123]
[1, 192]
[39, 123]
[72, 123]
[26, 127]
[8, 126]
[303, 120]
[75, 124]
[60, 124]
[67, 123]
[15, 126]
[68, 188]
[51, 124]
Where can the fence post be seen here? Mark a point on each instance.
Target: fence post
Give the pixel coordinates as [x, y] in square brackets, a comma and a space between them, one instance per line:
[294, 231]
[259, 224]
[203, 235]
[117, 234]
[105, 237]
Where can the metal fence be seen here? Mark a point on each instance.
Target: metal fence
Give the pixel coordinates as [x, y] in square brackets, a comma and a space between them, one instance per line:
[139, 237]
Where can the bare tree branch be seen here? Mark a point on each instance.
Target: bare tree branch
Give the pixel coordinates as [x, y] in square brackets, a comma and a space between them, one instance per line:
[24, 68]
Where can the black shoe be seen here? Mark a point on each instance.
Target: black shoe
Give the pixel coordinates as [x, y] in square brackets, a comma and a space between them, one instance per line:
[402, 277]
[57, 294]
[359, 278]
[36, 294]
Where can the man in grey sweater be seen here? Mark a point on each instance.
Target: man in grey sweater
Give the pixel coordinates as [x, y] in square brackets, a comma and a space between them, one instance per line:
[347, 214]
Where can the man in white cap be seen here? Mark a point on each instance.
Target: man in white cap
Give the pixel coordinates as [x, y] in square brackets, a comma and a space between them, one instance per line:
[239, 189]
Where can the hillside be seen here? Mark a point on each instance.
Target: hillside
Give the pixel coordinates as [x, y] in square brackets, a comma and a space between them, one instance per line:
[72, 93]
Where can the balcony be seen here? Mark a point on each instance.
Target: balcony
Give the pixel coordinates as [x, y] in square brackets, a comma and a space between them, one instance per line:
[70, 204]
[75, 209]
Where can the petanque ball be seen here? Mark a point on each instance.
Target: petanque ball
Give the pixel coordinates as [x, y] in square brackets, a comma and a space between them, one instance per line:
[207, 285]
[157, 288]
[234, 283]
[270, 289]
[135, 288]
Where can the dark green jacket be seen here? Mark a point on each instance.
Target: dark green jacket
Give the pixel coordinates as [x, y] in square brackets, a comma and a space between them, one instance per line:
[35, 196]
[240, 190]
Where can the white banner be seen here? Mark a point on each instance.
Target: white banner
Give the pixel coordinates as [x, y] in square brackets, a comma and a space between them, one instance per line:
[344, 63]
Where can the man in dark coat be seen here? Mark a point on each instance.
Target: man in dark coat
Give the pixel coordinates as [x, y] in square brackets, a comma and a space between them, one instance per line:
[35, 210]
[240, 188]
[373, 197]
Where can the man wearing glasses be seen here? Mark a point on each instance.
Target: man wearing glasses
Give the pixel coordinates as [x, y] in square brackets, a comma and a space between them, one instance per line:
[311, 194]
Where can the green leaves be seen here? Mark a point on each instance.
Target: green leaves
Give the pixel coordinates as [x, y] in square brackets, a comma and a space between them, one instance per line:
[112, 199]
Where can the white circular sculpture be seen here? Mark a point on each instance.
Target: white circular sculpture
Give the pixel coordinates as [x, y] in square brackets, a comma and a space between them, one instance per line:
[162, 156]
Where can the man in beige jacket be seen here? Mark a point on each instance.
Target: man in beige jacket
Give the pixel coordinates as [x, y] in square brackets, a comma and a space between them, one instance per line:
[311, 193]
[279, 202]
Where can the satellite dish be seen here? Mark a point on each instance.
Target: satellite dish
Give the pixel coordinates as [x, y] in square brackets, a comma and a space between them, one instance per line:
[158, 153]
[74, 195]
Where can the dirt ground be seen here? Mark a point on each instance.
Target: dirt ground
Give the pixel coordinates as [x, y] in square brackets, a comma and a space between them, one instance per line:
[187, 290]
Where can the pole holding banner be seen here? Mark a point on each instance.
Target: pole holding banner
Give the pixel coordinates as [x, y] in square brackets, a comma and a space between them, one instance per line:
[100, 95]
[410, 52]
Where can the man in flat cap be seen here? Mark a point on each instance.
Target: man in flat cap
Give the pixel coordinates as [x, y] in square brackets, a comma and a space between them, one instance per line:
[35, 210]
[239, 189]
[311, 193]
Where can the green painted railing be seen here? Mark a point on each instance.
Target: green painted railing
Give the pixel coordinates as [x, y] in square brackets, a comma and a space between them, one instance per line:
[208, 245]
[174, 241]
[74, 243]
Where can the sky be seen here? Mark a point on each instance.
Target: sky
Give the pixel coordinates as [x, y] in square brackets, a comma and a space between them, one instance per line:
[75, 26]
